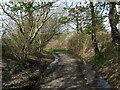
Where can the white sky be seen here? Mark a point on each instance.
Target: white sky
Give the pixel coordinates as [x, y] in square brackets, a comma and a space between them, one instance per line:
[63, 2]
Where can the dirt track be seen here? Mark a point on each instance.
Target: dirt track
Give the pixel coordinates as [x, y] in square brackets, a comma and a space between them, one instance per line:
[67, 76]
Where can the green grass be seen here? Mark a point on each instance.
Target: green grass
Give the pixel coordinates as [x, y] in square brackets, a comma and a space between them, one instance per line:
[109, 53]
[50, 50]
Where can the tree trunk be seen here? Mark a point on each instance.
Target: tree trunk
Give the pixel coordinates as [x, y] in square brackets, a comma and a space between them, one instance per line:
[113, 19]
[93, 34]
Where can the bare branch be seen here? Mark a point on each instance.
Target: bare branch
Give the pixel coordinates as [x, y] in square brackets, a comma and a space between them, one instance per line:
[5, 11]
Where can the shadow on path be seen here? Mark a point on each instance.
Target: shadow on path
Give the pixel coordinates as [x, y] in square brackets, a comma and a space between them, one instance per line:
[67, 76]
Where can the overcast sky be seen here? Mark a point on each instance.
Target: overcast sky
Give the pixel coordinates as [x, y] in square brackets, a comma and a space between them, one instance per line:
[61, 3]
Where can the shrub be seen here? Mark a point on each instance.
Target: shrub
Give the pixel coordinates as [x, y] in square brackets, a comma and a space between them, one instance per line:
[81, 44]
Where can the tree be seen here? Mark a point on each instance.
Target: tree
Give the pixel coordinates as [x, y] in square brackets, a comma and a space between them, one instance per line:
[93, 32]
[82, 17]
[114, 19]
[29, 21]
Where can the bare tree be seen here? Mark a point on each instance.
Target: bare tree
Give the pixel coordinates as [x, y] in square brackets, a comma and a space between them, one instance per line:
[28, 26]
[93, 34]
[114, 19]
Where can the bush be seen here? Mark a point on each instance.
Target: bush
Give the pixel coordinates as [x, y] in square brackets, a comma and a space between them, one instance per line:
[80, 43]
